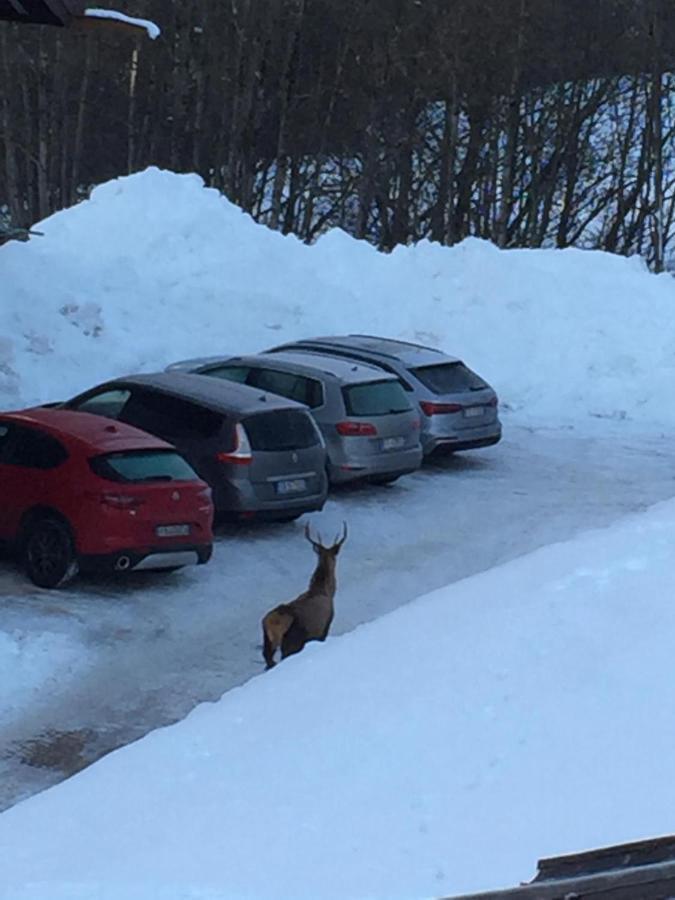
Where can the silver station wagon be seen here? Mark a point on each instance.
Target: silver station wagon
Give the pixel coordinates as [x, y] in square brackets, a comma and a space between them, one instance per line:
[459, 409]
[262, 454]
[369, 426]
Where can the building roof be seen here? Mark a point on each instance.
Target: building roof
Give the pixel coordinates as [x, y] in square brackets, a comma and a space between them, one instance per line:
[41, 12]
[74, 13]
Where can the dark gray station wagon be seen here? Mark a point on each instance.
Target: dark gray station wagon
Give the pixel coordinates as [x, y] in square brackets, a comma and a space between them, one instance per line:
[262, 455]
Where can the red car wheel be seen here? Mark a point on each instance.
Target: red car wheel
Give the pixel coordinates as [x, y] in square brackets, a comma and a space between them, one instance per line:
[49, 553]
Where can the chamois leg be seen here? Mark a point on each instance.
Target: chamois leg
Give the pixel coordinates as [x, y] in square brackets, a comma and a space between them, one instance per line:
[275, 625]
[269, 649]
[294, 640]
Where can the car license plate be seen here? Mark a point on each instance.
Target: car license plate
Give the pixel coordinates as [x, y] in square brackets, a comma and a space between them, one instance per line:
[473, 411]
[393, 443]
[172, 530]
[293, 486]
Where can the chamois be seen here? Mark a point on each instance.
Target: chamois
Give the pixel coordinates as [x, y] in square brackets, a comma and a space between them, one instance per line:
[307, 618]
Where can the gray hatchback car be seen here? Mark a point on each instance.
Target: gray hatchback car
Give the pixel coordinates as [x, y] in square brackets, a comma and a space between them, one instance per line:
[262, 455]
[459, 409]
[369, 426]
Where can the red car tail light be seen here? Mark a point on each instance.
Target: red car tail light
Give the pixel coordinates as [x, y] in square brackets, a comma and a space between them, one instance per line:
[439, 409]
[241, 455]
[121, 501]
[356, 429]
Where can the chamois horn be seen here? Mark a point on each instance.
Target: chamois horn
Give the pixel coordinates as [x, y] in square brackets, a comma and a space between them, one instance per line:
[315, 544]
[340, 541]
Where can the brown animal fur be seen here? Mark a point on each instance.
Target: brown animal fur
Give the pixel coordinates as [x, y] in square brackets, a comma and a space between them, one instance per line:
[307, 618]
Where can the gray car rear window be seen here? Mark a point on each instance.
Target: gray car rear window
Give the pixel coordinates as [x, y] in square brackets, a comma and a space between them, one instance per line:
[375, 398]
[283, 429]
[142, 466]
[449, 378]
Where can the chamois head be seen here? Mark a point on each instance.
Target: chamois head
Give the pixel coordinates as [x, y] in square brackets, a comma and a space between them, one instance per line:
[327, 552]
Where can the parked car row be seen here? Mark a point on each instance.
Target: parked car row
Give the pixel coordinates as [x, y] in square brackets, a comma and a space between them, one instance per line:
[259, 436]
[368, 424]
[458, 408]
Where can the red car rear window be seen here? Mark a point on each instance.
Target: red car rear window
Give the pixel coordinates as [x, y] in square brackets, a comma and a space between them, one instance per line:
[143, 465]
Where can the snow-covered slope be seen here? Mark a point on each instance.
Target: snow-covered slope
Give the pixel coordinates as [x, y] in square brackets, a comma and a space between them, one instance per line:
[523, 712]
[155, 267]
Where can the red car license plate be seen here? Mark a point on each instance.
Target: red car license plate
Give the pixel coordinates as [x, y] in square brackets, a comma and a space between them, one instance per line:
[172, 530]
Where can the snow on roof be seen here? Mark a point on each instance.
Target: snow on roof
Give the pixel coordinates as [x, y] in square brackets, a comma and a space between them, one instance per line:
[152, 30]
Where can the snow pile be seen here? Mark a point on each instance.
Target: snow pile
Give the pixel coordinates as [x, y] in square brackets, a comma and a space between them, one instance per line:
[523, 712]
[154, 267]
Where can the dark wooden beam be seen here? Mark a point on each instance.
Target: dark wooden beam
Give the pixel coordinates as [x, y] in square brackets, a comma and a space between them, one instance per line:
[41, 12]
[643, 869]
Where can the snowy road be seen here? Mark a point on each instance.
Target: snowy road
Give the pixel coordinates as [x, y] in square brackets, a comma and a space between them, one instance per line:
[117, 662]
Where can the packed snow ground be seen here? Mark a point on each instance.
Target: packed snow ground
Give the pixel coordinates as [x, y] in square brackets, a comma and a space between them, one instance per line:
[146, 650]
[580, 347]
[526, 711]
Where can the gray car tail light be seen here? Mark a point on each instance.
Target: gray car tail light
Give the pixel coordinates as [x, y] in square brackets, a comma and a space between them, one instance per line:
[241, 455]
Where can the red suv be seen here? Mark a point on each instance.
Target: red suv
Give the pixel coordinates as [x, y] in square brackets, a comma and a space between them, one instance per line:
[81, 492]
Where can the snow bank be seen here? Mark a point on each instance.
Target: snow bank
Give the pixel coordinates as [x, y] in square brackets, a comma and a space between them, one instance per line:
[155, 267]
[520, 713]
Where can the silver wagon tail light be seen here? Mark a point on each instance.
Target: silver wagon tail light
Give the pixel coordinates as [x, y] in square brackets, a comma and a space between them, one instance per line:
[439, 409]
[356, 429]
